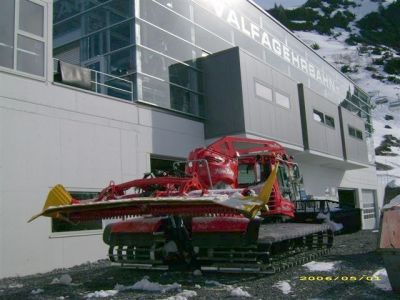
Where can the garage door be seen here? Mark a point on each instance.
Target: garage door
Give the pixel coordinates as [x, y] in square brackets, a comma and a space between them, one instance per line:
[369, 209]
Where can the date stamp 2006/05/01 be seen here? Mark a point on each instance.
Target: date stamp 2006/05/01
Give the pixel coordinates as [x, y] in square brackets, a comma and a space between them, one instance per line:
[341, 278]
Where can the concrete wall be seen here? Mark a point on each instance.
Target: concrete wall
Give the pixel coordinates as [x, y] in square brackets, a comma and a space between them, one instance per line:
[52, 134]
[364, 179]
[318, 178]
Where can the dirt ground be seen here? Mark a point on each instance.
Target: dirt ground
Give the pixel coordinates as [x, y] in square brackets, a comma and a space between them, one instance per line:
[354, 256]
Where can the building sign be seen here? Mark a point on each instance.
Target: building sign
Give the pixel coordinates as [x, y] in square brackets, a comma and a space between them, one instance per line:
[272, 44]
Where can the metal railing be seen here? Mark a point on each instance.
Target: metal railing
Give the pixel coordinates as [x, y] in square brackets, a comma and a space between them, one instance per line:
[103, 83]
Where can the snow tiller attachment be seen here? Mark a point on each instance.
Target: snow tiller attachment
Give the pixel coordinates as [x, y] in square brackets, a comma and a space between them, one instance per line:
[228, 211]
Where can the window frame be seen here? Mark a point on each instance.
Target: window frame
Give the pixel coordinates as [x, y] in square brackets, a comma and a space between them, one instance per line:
[333, 126]
[356, 133]
[324, 118]
[19, 32]
[266, 86]
[320, 114]
[83, 232]
[276, 91]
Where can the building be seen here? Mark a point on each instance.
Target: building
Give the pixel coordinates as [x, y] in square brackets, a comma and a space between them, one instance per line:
[136, 84]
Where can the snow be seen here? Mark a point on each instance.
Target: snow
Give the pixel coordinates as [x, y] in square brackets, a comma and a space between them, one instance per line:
[239, 292]
[394, 202]
[214, 283]
[37, 291]
[314, 266]
[197, 273]
[319, 11]
[197, 286]
[102, 294]
[170, 247]
[185, 295]
[146, 285]
[299, 21]
[15, 286]
[383, 283]
[365, 7]
[342, 10]
[234, 291]
[65, 279]
[327, 219]
[335, 50]
[284, 286]
[393, 184]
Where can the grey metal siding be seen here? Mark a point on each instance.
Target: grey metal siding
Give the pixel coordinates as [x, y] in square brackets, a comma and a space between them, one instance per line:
[356, 150]
[322, 137]
[223, 94]
[266, 118]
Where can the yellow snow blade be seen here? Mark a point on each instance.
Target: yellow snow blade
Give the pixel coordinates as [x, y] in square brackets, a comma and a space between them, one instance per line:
[264, 195]
[58, 196]
[267, 187]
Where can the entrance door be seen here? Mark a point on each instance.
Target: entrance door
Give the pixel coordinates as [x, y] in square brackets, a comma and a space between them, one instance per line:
[347, 198]
[369, 209]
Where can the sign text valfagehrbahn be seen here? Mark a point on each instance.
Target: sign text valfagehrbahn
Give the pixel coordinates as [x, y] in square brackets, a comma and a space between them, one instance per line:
[272, 43]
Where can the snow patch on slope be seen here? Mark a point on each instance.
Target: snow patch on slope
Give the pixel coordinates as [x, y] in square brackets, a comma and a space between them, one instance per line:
[65, 279]
[101, 294]
[185, 295]
[365, 7]
[335, 50]
[15, 286]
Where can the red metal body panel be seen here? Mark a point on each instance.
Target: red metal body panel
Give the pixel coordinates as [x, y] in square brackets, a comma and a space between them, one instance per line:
[278, 205]
[154, 210]
[221, 224]
[140, 225]
[223, 158]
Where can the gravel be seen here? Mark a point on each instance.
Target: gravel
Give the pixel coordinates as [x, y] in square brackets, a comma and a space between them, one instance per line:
[354, 256]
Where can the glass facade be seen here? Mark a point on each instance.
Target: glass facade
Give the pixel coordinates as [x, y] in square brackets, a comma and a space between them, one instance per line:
[167, 39]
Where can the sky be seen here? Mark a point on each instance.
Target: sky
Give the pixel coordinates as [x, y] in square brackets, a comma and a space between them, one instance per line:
[285, 3]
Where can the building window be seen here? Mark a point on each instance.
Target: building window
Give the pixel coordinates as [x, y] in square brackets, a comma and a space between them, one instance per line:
[282, 100]
[324, 119]
[318, 116]
[31, 17]
[23, 48]
[63, 226]
[160, 165]
[7, 15]
[355, 133]
[263, 91]
[330, 121]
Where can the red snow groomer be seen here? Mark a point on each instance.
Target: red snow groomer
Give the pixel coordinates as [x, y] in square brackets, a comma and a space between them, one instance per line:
[229, 210]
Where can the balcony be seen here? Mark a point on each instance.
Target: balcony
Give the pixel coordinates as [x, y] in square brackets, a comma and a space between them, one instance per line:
[92, 80]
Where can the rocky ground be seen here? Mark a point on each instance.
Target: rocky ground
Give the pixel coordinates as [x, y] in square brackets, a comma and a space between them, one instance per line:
[344, 274]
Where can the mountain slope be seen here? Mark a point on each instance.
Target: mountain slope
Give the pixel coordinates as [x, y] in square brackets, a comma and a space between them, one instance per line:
[362, 39]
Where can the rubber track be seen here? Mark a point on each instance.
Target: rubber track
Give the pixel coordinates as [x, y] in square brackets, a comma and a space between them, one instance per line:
[278, 263]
